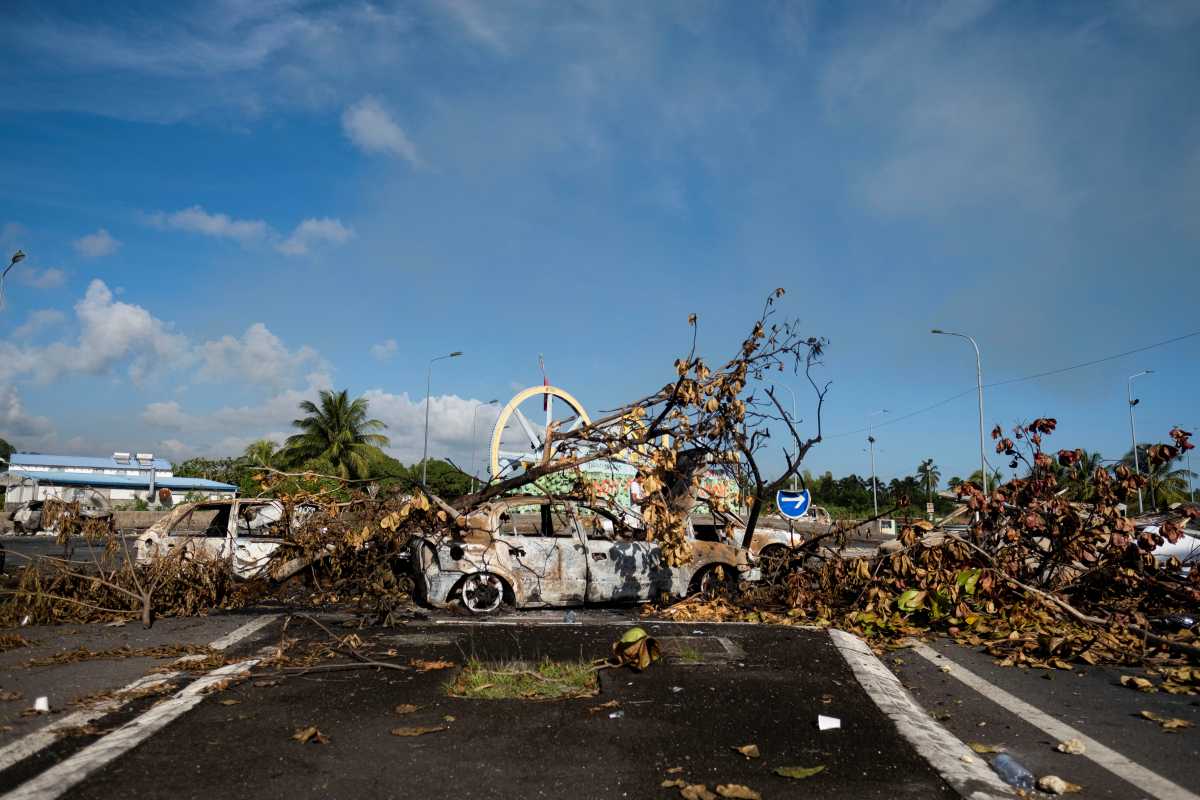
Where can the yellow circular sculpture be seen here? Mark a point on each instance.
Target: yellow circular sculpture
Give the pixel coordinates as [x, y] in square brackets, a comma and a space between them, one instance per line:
[509, 458]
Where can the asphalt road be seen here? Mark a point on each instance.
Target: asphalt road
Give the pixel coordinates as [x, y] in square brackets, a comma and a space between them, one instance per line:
[19, 549]
[1089, 699]
[752, 684]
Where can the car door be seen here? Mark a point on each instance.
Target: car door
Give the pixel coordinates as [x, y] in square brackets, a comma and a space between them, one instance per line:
[201, 533]
[624, 570]
[546, 554]
[258, 534]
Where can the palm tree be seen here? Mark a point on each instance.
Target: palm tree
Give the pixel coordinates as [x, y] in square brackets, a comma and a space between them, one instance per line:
[930, 475]
[1164, 485]
[262, 453]
[337, 431]
[1081, 487]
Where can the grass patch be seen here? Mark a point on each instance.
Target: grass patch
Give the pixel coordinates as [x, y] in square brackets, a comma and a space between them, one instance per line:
[520, 680]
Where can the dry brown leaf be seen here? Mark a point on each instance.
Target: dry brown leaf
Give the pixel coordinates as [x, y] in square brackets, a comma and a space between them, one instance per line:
[405, 708]
[748, 750]
[229, 702]
[1136, 682]
[1052, 784]
[310, 734]
[738, 792]
[981, 748]
[696, 791]
[1169, 724]
[604, 706]
[418, 731]
[677, 783]
[674, 770]
[1071, 746]
[7, 696]
[425, 665]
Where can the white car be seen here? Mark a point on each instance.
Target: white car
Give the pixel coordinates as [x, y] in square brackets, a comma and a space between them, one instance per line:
[245, 533]
[1187, 549]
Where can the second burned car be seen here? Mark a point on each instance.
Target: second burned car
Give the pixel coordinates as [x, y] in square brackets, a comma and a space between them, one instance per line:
[534, 551]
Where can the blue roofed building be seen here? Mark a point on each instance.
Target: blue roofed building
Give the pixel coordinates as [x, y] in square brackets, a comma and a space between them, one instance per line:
[123, 478]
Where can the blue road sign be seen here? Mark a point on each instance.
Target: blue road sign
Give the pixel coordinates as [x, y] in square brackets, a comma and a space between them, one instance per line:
[792, 505]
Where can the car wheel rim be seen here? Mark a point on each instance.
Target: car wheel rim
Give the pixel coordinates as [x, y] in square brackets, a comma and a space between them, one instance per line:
[482, 593]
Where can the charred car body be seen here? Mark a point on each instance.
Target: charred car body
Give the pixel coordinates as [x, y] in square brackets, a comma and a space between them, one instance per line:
[533, 552]
[244, 533]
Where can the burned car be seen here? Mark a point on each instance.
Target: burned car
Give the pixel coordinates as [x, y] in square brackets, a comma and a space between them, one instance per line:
[245, 533]
[534, 552]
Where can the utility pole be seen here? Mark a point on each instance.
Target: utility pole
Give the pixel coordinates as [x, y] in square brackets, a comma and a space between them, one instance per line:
[428, 384]
[983, 473]
[1137, 469]
[871, 443]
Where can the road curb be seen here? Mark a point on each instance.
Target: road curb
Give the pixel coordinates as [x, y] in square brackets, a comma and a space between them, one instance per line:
[953, 760]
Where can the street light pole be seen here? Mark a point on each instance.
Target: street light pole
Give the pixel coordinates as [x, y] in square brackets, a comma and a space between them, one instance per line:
[475, 441]
[871, 442]
[793, 394]
[428, 385]
[983, 476]
[1137, 469]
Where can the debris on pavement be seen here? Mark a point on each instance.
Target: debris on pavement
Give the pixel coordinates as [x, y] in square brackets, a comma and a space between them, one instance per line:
[42, 705]
[696, 791]
[1012, 772]
[418, 730]
[748, 750]
[983, 749]
[1168, 724]
[1052, 784]
[636, 650]
[405, 708]
[737, 791]
[310, 734]
[1071, 746]
[825, 723]
[798, 773]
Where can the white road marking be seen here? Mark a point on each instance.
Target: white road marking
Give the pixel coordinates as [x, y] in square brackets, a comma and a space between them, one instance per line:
[233, 637]
[957, 765]
[64, 776]
[48, 734]
[1127, 770]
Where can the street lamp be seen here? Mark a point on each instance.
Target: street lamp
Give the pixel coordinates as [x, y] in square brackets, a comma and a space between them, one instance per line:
[428, 383]
[1137, 469]
[793, 394]
[474, 441]
[17, 257]
[983, 475]
[871, 442]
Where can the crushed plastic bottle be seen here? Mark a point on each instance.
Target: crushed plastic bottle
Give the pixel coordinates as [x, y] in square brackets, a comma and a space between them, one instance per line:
[569, 617]
[1012, 772]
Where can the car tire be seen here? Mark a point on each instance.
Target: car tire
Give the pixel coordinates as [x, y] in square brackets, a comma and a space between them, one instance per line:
[716, 580]
[482, 592]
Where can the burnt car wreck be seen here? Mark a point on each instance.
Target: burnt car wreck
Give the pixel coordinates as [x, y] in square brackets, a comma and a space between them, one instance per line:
[532, 551]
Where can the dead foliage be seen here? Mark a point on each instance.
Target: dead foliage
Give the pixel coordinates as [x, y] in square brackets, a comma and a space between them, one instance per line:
[80, 654]
[11, 641]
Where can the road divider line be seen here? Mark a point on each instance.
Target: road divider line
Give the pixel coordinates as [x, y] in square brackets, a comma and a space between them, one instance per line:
[48, 734]
[957, 765]
[62, 777]
[1122, 766]
[233, 637]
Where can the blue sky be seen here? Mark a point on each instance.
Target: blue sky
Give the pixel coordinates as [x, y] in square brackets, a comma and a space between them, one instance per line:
[230, 205]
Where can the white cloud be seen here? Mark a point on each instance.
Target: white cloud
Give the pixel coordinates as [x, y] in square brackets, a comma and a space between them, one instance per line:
[369, 126]
[259, 356]
[17, 425]
[168, 415]
[39, 320]
[196, 220]
[49, 278]
[313, 232]
[247, 232]
[451, 419]
[95, 245]
[386, 350]
[477, 23]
